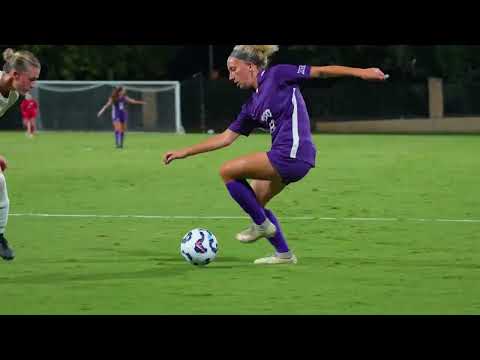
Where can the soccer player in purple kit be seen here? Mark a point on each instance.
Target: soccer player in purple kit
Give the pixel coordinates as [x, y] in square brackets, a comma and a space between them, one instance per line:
[118, 101]
[276, 105]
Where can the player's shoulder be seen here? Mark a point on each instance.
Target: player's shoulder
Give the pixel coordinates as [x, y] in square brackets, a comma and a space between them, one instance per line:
[277, 67]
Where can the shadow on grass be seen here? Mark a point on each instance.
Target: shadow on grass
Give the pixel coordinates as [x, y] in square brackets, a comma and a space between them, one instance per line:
[163, 266]
[393, 262]
[62, 277]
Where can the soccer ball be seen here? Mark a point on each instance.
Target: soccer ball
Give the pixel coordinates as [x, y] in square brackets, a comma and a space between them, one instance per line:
[199, 247]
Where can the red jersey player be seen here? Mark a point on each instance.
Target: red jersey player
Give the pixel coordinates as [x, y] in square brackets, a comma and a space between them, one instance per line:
[29, 109]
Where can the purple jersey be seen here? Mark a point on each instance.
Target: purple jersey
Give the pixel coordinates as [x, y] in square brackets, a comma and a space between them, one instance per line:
[278, 106]
[119, 111]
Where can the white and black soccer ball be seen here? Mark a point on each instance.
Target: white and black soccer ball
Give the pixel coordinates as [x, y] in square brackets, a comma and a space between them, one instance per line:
[199, 247]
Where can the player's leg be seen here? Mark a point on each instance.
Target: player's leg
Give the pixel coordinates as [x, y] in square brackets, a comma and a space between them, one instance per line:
[290, 170]
[25, 124]
[33, 125]
[123, 129]
[29, 127]
[6, 252]
[234, 174]
[265, 191]
[117, 128]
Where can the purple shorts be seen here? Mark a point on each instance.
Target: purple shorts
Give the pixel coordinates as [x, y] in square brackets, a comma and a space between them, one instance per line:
[120, 116]
[290, 170]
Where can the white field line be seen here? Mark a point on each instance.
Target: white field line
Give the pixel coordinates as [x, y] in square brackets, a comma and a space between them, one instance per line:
[214, 217]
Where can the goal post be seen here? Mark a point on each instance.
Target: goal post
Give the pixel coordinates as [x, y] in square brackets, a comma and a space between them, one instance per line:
[73, 105]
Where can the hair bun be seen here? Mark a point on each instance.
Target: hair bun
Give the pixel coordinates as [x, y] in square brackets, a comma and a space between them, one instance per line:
[8, 54]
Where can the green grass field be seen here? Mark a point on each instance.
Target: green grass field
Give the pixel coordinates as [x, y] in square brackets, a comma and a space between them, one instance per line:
[379, 243]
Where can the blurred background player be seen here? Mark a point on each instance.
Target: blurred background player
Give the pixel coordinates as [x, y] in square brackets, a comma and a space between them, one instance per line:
[276, 105]
[20, 71]
[118, 100]
[29, 109]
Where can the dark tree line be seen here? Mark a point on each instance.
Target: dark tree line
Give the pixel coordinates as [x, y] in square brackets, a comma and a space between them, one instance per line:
[180, 62]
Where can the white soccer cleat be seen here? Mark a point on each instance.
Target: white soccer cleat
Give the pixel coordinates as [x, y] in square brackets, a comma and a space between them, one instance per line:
[255, 232]
[274, 260]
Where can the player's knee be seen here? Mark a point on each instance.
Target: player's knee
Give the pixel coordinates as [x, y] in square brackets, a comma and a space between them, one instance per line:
[226, 172]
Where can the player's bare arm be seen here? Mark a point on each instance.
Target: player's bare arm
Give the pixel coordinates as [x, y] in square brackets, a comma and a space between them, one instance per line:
[105, 107]
[134, 102]
[213, 143]
[339, 71]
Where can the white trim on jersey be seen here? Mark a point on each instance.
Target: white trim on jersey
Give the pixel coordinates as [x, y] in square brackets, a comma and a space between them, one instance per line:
[293, 151]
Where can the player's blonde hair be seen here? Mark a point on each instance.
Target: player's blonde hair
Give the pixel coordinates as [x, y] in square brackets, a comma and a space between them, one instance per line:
[19, 60]
[257, 54]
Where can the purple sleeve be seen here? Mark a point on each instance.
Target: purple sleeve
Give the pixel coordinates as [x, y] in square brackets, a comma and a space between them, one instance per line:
[291, 73]
[243, 124]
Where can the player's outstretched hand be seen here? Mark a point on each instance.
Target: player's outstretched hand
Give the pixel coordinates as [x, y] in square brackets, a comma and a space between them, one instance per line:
[373, 74]
[3, 163]
[173, 155]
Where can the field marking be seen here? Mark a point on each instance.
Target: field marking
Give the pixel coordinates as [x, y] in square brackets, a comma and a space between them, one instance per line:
[196, 217]
[370, 219]
[167, 217]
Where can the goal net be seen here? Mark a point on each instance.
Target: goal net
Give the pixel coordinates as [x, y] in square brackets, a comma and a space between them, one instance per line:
[73, 105]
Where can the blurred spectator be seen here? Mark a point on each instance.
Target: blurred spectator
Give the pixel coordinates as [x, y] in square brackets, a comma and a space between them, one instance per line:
[214, 74]
[29, 109]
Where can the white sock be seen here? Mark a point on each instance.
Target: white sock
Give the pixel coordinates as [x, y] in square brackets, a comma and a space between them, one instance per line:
[4, 203]
[285, 255]
[265, 224]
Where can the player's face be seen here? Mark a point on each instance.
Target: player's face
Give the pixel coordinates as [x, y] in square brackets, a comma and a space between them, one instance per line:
[23, 82]
[241, 73]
